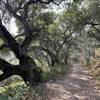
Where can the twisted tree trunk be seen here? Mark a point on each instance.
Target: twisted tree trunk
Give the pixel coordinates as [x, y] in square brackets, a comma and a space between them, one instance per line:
[27, 68]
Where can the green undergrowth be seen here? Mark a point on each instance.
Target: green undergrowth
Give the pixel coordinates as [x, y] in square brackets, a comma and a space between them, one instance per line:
[14, 91]
[18, 90]
[55, 71]
[52, 74]
[98, 77]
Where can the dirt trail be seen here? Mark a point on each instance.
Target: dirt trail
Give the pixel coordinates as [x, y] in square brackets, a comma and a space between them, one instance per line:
[78, 85]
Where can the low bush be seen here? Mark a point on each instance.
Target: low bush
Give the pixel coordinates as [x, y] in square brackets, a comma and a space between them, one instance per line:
[18, 90]
[55, 71]
[14, 91]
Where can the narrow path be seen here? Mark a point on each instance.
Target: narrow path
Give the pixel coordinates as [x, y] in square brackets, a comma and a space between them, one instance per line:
[78, 85]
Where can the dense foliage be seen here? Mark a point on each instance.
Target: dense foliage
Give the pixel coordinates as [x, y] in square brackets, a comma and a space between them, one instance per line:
[47, 41]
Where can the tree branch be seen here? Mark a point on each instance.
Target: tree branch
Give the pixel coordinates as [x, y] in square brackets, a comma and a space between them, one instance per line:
[10, 9]
[8, 69]
[9, 40]
[19, 35]
[31, 35]
[30, 2]
[93, 24]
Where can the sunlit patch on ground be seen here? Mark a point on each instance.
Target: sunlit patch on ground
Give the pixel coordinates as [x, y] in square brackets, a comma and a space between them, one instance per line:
[76, 86]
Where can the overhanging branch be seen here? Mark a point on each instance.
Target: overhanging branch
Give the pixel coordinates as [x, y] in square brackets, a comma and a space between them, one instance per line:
[10, 9]
[8, 69]
[9, 40]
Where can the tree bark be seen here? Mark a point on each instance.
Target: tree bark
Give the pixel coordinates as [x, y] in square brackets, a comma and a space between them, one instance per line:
[27, 68]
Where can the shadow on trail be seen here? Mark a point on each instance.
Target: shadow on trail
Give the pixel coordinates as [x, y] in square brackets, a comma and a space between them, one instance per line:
[78, 85]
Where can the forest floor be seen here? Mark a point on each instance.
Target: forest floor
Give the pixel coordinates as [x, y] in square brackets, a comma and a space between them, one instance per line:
[78, 85]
